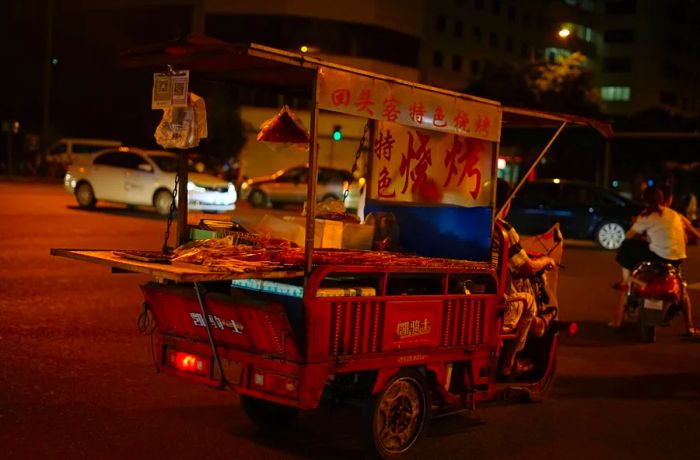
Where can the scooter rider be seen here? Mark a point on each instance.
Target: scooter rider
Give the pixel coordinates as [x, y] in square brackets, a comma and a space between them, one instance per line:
[666, 232]
[521, 308]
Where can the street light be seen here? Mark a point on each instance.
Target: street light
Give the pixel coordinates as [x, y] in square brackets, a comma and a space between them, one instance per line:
[564, 32]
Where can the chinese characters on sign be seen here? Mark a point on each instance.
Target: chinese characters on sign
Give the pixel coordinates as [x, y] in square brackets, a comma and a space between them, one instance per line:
[395, 102]
[406, 329]
[217, 323]
[424, 166]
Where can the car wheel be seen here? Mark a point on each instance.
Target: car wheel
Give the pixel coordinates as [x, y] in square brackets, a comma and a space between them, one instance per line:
[163, 200]
[85, 195]
[258, 199]
[610, 235]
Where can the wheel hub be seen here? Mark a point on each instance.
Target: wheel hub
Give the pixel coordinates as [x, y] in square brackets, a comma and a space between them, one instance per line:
[399, 417]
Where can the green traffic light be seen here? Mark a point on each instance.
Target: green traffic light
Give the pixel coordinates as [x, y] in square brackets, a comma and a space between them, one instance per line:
[337, 135]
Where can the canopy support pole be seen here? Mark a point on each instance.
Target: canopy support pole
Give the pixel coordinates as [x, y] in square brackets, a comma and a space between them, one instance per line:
[534, 164]
[311, 179]
[182, 171]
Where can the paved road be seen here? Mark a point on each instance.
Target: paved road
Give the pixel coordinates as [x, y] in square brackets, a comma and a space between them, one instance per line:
[76, 378]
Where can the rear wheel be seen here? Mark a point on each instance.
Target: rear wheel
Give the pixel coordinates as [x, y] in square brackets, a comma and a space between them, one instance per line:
[85, 195]
[396, 418]
[258, 199]
[610, 235]
[163, 200]
[267, 414]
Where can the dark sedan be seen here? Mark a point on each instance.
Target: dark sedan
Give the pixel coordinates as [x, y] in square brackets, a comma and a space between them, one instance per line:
[583, 211]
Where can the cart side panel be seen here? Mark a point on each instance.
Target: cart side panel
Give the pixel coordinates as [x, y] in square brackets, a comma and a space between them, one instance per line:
[348, 328]
[238, 322]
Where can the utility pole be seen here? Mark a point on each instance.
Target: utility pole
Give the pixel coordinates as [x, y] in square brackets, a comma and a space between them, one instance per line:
[45, 120]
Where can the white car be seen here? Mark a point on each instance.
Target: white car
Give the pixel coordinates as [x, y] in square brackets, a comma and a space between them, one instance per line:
[144, 177]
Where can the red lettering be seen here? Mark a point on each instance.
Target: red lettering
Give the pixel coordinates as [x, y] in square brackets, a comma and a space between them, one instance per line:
[464, 152]
[384, 145]
[418, 175]
[483, 125]
[383, 184]
[341, 97]
[391, 111]
[461, 120]
[416, 112]
[364, 102]
[439, 118]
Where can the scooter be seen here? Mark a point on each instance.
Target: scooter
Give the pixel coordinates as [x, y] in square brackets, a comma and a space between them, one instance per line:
[655, 294]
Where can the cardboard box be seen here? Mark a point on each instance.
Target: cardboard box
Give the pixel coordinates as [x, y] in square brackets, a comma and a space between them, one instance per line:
[334, 234]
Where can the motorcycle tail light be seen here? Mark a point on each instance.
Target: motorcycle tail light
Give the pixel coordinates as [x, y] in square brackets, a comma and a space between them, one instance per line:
[666, 286]
[572, 329]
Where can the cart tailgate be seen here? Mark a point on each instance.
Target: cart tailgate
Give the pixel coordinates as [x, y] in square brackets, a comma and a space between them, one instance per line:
[236, 321]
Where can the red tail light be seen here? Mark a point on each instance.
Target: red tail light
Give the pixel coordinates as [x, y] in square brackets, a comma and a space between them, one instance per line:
[572, 329]
[186, 362]
[662, 287]
[272, 382]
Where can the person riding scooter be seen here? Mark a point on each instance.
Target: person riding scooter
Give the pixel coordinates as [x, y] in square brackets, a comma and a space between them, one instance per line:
[664, 232]
[521, 313]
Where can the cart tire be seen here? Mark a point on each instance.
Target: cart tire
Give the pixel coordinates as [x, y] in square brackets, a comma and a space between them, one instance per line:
[258, 199]
[395, 419]
[266, 414]
[85, 195]
[162, 200]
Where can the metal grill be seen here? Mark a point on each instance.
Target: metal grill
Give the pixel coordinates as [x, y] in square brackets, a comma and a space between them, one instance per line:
[463, 322]
[355, 327]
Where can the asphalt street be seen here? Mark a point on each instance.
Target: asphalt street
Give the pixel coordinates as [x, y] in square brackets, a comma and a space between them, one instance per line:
[77, 380]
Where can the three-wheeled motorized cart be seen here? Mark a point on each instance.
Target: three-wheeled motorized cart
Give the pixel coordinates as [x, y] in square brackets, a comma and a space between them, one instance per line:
[414, 332]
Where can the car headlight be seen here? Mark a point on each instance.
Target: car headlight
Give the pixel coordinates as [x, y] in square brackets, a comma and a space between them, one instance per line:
[244, 185]
[192, 187]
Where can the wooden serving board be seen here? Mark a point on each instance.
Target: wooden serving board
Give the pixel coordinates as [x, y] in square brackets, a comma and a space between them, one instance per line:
[175, 271]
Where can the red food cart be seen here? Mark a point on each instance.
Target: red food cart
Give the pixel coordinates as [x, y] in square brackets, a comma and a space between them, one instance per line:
[414, 332]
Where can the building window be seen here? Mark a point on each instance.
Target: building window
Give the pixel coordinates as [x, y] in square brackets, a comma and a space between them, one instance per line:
[479, 4]
[509, 44]
[621, 7]
[671, 71]
[459, 29]
[493, 40]
[437, 59]
[476, 67]
[615, 93]
[440, 23]
[617, 65]
[527, 19]
[477, 34]
[619, 36]
[668, 98]
[511, 13]
[456, 63]
[496, 7]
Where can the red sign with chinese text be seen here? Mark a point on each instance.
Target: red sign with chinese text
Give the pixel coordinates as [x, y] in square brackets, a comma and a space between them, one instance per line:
[421, 166]
[418, 106]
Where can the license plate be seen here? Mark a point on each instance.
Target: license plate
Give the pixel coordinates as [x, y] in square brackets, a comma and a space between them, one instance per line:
[651, 304]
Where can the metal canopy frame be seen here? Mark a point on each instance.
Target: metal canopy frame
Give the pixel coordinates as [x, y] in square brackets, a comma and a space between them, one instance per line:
[288, 73]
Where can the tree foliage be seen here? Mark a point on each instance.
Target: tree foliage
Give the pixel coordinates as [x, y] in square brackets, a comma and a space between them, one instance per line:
[563, 86]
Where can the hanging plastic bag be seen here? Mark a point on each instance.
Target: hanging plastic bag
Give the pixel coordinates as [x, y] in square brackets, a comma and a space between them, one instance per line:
[283, 129]
[183, 127]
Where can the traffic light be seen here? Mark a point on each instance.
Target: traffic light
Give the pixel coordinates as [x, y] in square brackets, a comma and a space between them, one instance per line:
[337, 133]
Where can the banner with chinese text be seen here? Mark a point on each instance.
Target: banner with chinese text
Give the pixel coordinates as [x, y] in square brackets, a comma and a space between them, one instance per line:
[383, 100]
[428, 167]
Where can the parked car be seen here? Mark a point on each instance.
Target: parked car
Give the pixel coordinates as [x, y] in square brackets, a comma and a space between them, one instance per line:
[288, 186]
[69, 151]
[144, 177]
[583, 211]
